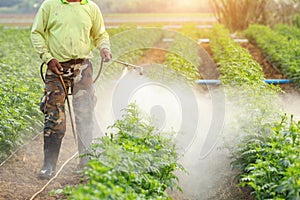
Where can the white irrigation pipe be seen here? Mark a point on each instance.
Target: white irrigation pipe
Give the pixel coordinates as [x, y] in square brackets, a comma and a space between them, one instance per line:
[207, 40]
[164, 27]
[238, 40]
[48, 183]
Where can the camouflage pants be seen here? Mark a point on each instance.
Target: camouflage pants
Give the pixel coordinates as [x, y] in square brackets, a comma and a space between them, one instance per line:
[78, 80]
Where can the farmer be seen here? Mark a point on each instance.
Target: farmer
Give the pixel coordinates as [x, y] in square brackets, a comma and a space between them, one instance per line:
[62, 34]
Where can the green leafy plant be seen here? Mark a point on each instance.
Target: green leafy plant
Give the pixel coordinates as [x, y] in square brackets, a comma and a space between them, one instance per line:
[183, 54]
[291, 32]
[20, 90]
[272, 164]
[242, 76]
[133, 161]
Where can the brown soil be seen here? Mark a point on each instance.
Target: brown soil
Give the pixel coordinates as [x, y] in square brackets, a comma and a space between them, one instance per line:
[208, 68]
[157, 54]
[19, 174]
[270, 71]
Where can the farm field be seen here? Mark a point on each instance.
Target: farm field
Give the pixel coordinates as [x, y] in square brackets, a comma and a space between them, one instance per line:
[210, 174]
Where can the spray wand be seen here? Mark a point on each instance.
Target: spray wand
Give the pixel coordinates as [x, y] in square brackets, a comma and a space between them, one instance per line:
[131, 66]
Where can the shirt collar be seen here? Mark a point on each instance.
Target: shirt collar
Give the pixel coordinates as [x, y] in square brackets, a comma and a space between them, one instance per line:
[82, 2]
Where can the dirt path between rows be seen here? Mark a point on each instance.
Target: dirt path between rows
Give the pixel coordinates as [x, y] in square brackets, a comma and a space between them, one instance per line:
[19, 174]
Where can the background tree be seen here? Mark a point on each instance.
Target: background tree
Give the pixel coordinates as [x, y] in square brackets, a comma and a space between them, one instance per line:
[288, 11]
[238, 14]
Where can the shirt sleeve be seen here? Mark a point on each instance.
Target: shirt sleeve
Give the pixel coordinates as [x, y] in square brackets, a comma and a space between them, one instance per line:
[98, 32]
[38, 34]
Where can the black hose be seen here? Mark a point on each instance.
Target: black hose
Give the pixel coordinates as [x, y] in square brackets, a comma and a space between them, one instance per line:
[99, 72]
[98, 75]
[41, 72]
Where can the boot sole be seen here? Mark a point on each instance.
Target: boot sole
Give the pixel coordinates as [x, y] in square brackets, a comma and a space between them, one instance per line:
[45, 176]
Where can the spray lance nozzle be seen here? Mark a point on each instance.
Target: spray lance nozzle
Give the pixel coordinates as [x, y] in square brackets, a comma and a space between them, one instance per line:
[127, 65]
[131, 66]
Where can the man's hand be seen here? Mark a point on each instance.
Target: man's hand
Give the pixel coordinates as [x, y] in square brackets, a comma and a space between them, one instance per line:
[55, 67]
[105, 54]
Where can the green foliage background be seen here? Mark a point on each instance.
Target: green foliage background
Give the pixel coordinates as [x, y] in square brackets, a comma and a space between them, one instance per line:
[20, 90]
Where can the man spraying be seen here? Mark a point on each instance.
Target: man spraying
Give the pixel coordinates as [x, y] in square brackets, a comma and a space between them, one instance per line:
[62, 34]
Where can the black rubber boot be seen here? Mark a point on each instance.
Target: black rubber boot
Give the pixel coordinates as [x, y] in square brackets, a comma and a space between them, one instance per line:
[51, 152]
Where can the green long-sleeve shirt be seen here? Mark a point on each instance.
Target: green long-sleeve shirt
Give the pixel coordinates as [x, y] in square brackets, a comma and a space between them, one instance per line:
[64, 30]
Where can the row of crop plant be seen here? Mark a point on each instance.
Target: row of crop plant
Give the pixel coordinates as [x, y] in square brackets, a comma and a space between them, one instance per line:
[242, 76]
[266, 147]
[133, 161]
[291, 32]
[280, 48]
[183, 53]
[20, 90]
[243, 80]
